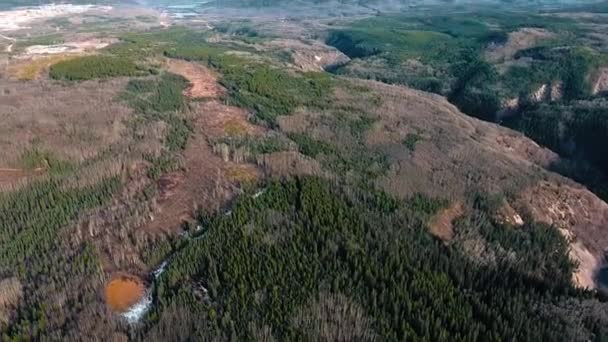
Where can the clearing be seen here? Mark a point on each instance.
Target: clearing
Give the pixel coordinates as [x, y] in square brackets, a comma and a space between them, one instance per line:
[206, 181]
[521, 39]
[203, 81]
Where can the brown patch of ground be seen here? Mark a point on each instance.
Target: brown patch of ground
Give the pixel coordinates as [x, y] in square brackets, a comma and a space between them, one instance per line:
[441, 226]
[521, 39]
[601, 81]
[203, 81]
[72, 48]
[290, 163]
[123, 291]
[203, 183]
[10, 293]
[527, 148]
[242, 173]
[11, 178]
[297, 122]
[580, 215]
[307, 55]
[220, 120]
[32, 69]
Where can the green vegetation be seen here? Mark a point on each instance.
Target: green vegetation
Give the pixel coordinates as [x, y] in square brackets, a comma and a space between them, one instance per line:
[411, 140]
[444, 54]
[475, 92]
[161, 99]
[571, 66]
[92, 67]
[309, 146]
[576, 131]
[266, 90]
[32, 219]
[306, 242]
[417, 51]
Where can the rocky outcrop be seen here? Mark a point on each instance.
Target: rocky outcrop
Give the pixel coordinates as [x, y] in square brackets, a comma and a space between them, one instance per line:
[601, 82]
[579, 215]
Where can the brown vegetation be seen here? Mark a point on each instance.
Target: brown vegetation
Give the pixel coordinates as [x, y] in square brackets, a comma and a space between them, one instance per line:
[13, 178]
[10, 293]
[290, 164]
[441, 224]
[74, 123]
[521, 39]
[220, 120]
[455, 153]
[31, 69]
[332, 318]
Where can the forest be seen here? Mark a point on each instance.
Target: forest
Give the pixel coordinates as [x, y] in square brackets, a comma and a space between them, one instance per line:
[311, 259]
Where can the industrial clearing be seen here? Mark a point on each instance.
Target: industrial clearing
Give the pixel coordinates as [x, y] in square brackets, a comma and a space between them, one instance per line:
[20, 18]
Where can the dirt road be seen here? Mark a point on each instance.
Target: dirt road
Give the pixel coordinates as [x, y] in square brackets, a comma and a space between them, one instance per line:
[9, 48]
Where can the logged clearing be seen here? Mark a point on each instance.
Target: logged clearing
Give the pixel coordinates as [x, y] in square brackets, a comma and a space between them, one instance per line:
[123, 291]
[203, 81]
[206, 181]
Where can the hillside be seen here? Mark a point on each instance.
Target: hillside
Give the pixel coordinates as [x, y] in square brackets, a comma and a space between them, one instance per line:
[168, 178]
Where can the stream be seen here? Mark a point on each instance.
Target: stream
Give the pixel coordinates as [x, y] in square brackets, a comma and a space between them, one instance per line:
[138, 311]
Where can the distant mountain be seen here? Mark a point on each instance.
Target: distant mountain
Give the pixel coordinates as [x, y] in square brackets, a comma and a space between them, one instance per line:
[7, 4]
